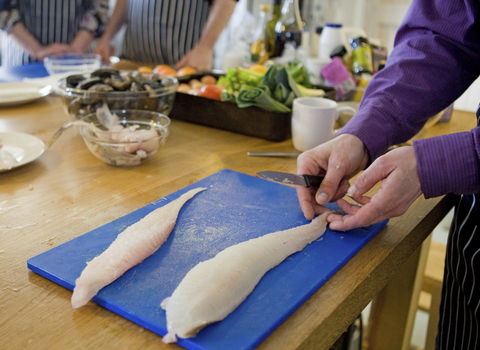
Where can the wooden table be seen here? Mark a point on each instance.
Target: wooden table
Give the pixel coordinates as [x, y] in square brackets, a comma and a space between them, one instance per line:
[67, 192]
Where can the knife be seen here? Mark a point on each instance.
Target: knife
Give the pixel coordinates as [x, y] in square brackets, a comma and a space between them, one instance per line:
[291, 179]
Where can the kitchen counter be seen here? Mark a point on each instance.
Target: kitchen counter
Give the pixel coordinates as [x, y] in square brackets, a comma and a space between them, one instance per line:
[67, 192]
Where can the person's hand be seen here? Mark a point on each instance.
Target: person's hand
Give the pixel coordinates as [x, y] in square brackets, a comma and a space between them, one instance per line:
[338, 160]
[199, 58]
[53, 49]
[400, 187]
[104, 49]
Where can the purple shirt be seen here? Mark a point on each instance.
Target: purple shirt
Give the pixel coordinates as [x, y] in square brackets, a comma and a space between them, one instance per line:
[435, 59]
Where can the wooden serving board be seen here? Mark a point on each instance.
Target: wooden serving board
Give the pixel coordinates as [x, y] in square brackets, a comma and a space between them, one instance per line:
[235, 207]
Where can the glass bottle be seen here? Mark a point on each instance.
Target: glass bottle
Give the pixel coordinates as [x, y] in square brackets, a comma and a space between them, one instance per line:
[277, 13]
[259, 48]
[289, 28]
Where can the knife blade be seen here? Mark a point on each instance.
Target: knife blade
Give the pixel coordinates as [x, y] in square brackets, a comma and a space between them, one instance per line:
[291, 179]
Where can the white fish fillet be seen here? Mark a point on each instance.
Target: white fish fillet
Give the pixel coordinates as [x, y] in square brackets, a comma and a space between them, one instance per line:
[215, 287]
[130, 248]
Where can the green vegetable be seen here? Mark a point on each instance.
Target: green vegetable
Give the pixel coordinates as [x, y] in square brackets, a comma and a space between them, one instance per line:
[274, 91]
[310, 92]
[300, 74]
[239, 79]
[260, 98]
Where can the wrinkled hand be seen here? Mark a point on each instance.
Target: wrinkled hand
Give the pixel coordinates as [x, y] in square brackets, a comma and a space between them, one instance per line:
[400, 187]
[104, 49]
[199, 58]
[338, 160]
[53, 49]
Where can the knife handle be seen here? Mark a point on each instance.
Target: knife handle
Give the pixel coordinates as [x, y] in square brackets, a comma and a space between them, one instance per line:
[311, 180]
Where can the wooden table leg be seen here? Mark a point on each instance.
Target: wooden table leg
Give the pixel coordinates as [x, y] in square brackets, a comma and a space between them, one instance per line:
[393, 310]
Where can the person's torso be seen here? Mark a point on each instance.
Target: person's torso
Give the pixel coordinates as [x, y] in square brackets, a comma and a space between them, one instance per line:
[160, 31]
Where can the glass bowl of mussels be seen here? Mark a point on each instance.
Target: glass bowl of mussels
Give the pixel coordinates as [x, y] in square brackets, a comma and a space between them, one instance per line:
[124, 138]
[83, 94]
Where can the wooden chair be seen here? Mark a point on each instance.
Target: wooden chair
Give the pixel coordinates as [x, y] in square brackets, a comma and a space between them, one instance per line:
[431, 289]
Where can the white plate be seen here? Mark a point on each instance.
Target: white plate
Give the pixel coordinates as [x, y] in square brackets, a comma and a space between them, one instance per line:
[32, 147]
[13, 94]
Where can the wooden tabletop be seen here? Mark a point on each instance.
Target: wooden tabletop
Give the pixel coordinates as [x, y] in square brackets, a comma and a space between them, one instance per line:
[67, 192]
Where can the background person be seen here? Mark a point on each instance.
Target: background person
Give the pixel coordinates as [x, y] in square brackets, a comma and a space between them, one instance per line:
[35, 29]
[436, 57]
[180, 33]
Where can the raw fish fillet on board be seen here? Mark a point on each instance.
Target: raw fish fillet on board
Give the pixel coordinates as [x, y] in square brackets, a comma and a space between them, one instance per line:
[214, 288]
[130, 248]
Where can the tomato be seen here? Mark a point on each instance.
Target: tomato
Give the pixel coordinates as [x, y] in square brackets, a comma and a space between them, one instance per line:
[211, 91]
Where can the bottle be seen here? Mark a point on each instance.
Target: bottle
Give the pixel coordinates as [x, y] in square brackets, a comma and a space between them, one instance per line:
[331, 38]
[361, 56]
[270, 31]
[289, 28]
[259, 48]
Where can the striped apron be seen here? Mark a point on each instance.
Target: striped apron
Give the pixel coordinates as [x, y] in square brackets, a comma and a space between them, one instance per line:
[460, 306]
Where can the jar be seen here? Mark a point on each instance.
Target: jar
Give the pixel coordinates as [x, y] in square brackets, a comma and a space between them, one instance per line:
[361, 56]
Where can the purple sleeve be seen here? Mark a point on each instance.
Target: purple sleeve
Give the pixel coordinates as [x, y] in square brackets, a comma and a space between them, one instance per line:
[435, 58]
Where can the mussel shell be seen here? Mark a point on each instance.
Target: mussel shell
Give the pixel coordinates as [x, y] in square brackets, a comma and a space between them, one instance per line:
[104, 73]
[101, 88]
[119, 83]
[88, 83]
[73, 80]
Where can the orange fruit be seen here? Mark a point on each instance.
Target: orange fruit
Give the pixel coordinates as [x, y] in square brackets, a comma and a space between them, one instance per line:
[186, 71]
[165, 69]
[144, 70]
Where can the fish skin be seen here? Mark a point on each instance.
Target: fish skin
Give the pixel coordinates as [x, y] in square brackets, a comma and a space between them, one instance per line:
[136, 243]
[214, 288]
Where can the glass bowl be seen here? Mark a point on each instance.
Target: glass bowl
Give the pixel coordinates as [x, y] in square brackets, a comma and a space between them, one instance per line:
[61, 64]
[83, 94]
[138, 137]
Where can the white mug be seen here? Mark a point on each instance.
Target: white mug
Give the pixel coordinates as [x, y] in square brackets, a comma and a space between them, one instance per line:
[313, 121]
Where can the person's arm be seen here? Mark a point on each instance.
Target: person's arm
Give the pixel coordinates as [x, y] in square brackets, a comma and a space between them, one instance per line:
[436, 57]
[31, 45]
[119, 18]
[93, 24]
[82, 41]
[201, 56]
[25, 39]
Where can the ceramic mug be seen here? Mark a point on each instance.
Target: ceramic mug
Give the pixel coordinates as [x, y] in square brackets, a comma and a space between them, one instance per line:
[313, 121]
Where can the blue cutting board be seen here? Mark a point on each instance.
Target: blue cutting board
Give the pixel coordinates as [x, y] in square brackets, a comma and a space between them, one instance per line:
[235, 207]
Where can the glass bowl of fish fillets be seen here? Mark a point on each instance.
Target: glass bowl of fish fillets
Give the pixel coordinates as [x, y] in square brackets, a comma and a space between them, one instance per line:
[124, 137]
[83, 94]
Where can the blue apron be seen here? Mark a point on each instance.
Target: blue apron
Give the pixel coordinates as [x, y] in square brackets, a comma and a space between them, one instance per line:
[459, 321]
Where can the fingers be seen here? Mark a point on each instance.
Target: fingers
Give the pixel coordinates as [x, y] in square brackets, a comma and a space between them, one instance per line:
[356, 216]
[400, 187]
[336, 160]
[305, 201]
